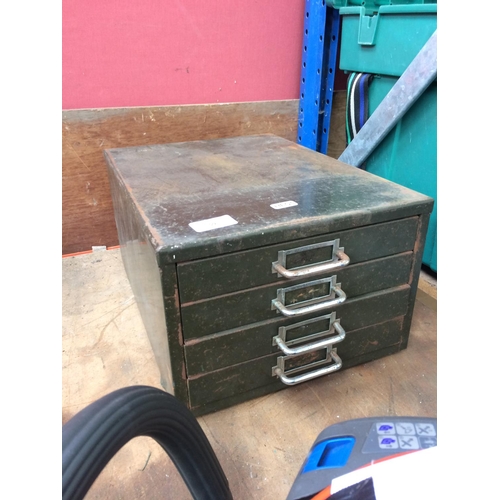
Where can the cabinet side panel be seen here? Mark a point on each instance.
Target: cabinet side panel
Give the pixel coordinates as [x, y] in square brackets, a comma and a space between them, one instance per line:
[174, 329]
[139, 259]
[418, 253]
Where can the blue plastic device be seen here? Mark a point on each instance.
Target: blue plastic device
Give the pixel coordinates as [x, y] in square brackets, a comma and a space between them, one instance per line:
[347, 446]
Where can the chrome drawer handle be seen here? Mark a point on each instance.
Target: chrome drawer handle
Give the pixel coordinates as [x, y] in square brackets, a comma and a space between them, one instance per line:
[279, 371]
[280, 342]
[288, 312]
[341, 260]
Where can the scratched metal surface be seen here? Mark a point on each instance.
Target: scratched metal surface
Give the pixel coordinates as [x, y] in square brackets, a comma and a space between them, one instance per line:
[177, 184]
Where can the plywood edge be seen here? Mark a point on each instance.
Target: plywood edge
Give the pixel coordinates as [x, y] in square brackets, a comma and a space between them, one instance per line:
[91, 114]
[427, 290]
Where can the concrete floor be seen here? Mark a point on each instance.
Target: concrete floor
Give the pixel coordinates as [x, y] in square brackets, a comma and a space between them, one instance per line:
[262, 443]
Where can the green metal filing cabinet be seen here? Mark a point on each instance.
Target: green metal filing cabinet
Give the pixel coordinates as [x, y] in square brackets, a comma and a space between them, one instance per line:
[258, 263]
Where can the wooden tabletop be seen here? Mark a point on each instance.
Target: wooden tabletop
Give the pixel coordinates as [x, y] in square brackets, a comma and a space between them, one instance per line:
[261, 444]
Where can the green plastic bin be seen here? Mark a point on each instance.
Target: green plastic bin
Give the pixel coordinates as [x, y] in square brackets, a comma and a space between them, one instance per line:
[383, 40]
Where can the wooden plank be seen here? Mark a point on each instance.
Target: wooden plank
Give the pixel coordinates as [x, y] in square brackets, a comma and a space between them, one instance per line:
[229, 273]
[427, 290]
[235, 310]
[87, 212]
[243, 344]
[337, 136]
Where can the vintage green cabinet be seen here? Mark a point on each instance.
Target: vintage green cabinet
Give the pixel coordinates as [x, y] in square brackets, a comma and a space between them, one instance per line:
[258, 264]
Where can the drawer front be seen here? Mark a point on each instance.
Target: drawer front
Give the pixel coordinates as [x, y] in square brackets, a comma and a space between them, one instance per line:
[244, 344]
[247, 376]
[236, 310]
[239, 271]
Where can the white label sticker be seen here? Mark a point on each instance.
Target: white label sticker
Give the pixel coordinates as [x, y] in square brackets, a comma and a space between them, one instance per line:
[283, 204]
[208, 224]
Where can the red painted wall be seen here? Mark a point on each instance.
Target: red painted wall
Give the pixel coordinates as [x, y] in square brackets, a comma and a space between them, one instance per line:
[120, 53]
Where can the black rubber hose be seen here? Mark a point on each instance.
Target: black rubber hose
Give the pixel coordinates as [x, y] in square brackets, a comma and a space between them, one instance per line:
[95, 434]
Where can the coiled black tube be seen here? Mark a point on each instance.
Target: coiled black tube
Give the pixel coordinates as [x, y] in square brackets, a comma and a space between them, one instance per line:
[95, 434]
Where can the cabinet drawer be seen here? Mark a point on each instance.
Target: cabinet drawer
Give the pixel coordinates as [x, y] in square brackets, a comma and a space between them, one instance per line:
[240, 345]
[247, 376]
[251, 306]
[234, 272]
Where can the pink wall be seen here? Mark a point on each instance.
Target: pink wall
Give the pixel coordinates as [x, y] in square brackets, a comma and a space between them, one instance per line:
[120, 53]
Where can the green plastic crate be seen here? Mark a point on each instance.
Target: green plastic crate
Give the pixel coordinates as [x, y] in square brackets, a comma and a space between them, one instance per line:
[408, 155]
[383, 40]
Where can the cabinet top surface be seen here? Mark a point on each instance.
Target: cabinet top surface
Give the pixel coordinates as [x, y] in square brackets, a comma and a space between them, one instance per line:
[267, 188]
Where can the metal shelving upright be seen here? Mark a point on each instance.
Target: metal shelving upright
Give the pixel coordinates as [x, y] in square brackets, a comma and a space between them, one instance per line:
[319, 60]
